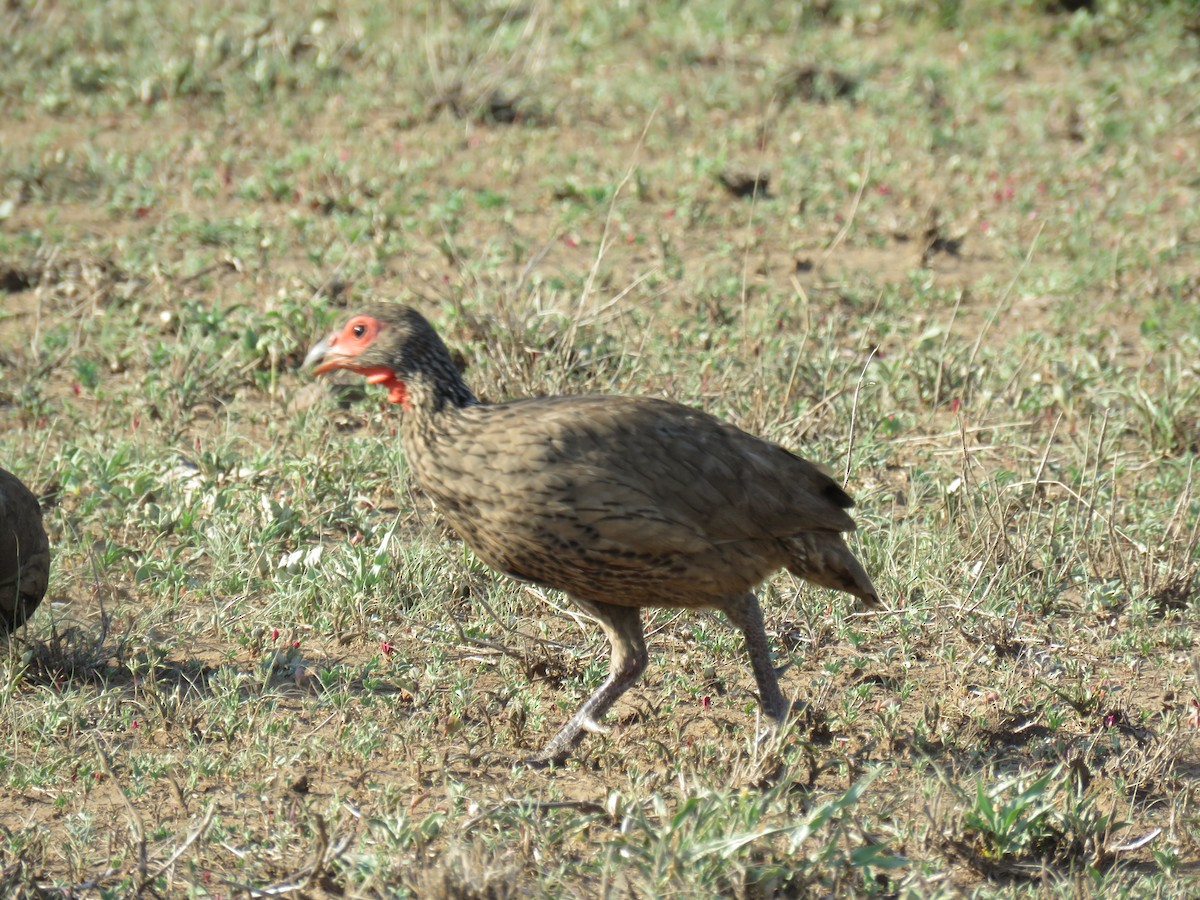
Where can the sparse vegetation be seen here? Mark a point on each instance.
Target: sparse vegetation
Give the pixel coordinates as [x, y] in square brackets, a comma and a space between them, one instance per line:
[969, 284]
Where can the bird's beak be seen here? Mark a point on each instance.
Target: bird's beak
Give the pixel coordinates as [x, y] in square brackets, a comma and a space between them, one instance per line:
[322, 358]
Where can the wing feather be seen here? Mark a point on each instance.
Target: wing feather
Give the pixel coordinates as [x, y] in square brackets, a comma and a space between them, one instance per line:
[636, 472]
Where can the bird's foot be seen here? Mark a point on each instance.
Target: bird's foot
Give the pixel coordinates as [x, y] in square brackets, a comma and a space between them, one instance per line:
[560, 746]
[782, 709]
[767, 733]
[590, 725]
[541, 761]
[782, 717]
[798, 709]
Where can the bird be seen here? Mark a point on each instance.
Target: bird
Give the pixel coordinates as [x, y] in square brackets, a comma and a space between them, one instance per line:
[24, 553]
[620, 502]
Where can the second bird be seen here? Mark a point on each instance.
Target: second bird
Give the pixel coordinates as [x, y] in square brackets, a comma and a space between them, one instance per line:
[620, 502]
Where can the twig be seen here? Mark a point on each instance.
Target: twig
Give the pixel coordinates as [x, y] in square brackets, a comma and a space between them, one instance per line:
[48, 889]
[1037, 477]
[845, 230]
[1108, 520]
[994, 315]
[854, 416]
[301, 882]
[956, 434]
[1136, 843]
[136, 826]
[506, 627]
[196, 835]
[608, 219]
[937, 385]
[590, 806]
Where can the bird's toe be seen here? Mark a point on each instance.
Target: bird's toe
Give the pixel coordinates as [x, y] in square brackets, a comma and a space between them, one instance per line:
[591, 726]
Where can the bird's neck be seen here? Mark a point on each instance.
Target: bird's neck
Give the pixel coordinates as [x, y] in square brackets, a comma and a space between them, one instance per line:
[432, 412]
[429, 397]
[431, 389]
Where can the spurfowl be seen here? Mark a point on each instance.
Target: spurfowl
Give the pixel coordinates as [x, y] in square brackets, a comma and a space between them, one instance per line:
[24, 553]
[621, 502]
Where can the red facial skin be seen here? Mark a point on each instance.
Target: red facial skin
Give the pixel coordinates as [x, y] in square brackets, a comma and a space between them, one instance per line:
[343, 347]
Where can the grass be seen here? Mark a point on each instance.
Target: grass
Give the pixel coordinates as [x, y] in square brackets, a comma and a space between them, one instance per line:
[265, 666]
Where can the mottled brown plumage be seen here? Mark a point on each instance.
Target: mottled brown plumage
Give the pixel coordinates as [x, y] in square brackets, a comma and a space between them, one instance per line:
[24, 553]
[621, 502]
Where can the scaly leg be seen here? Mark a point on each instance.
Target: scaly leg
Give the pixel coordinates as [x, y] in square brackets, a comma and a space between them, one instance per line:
[746, 614]
[623, 625]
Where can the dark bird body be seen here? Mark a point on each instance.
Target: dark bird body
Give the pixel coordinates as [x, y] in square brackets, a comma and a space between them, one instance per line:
[24, 553]
[621, 502]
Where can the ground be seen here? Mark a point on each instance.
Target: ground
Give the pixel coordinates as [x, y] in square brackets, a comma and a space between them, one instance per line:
[949, 253]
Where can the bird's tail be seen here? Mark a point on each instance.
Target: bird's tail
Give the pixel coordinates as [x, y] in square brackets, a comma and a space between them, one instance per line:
[824, 559]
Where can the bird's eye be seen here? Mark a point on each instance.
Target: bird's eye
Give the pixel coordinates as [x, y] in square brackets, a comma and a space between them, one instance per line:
[360, 330]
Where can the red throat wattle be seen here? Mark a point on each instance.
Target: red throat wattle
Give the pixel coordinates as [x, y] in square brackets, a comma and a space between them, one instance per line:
[397, 392]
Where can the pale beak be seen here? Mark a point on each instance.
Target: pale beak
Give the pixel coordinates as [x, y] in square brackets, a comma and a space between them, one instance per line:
[321, 358]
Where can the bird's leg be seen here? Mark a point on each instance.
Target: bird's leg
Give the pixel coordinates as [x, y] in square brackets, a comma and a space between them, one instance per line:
[623, 625]
[746, 614]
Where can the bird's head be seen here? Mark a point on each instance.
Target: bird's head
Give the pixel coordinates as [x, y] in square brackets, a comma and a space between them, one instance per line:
[391, 345]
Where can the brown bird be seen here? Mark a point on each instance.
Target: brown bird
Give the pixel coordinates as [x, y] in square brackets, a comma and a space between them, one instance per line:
[24, 553]
[621, 502]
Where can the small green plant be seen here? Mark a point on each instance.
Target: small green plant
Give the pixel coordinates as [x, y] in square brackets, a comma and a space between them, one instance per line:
[1011, 818]
[699, 846]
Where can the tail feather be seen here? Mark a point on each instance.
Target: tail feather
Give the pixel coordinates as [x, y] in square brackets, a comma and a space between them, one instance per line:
[824, 559]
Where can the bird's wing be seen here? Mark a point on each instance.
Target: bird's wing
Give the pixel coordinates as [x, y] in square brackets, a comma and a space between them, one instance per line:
[650, 473]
